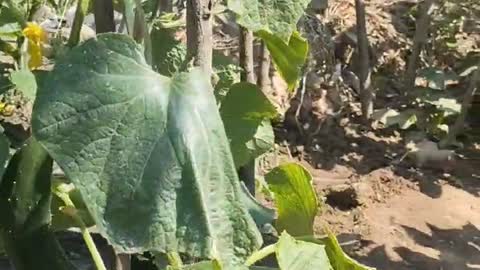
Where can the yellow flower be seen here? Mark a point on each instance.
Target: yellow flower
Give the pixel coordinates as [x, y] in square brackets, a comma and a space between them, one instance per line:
[35, 36]
[6, 109]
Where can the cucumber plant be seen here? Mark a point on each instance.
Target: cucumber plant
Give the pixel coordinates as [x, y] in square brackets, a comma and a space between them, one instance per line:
[151, 160]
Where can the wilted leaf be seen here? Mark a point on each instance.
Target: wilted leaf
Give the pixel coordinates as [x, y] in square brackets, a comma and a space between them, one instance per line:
[468, 65]
[148, 154]
[391, 117]
[295, 199]
[299, 255]
[246, 114]
[277, 17]
[25, 81]
[448, 105]
[289, 58]
[434, 77]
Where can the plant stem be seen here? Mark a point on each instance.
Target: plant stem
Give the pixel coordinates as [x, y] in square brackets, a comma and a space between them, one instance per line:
[246, 55]
[261, 254]
[466, 105]
[247, 172]
[200, 34]
[263, 79]
[82, 6]
[104, 16]
[174, 260]
[97, 259]
[70, 210]
[366, 94]
[421, 31]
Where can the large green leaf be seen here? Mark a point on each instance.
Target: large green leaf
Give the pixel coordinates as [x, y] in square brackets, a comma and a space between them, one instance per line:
[289, 57]
[293, 254]
[294, 197]
[25, 210]
[149, 154]
[246, 112]
[278, 17]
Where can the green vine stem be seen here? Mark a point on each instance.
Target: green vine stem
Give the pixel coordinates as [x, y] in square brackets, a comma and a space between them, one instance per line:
[261, 254]
[82, 7]
[174, 260]
[69, 209]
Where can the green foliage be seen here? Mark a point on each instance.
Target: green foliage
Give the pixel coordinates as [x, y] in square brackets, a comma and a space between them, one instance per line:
[25, 81]
[147, 153]
[60, 220]
[25, 210]
[228, 74]
[246, 112]
[293, 254]
[437, 79]
[338, 258]
[168, 54]
[277, 17]
[294, 197]
[289, 58]
[12, 19]
[391, 117]
[206, 265]
[275, 22]
[260, 214]
[5, 154]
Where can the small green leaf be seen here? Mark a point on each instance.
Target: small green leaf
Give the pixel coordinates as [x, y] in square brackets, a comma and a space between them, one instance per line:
[294, 197]
[246, 114]
[391, 117]
[25, 81]
[338, 258]
[288, 58]
[168, 54]
[228, 74]
[299, 255]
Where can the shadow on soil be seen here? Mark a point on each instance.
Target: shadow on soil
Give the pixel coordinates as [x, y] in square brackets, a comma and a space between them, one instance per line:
[456, 249]
[365, 151]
